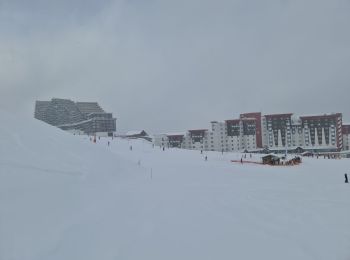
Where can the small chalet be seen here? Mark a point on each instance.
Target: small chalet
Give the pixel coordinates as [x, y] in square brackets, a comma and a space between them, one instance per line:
[271, 159]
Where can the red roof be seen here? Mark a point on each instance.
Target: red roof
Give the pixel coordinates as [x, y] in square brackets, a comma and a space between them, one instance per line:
[254, 114]
[321, 116]
[279, 115]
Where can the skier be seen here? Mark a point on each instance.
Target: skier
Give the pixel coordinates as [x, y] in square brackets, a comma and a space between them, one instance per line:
[346, 178]
[242, 160]
[206, 158]
[163, 148]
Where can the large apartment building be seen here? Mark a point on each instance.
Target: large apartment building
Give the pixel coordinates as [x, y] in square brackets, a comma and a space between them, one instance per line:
[78, 117]
[275, 132]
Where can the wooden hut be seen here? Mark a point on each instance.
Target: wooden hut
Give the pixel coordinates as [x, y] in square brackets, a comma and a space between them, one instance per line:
[271, 159]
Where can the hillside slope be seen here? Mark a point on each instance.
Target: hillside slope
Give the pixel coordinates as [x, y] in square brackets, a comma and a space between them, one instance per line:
[63, 197]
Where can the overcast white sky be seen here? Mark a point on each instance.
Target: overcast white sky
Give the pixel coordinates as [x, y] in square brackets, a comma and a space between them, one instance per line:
[174, 65]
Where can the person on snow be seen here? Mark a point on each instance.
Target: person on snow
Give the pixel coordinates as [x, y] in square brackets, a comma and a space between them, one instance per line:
[346, 178]
[206, 158]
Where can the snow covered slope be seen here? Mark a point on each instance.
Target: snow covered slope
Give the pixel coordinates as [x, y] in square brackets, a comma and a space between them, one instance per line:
[63, 197]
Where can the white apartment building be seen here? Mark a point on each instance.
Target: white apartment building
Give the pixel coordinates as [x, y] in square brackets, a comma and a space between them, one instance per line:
[197, 139]
[323, 132]
[231, 135]
[160, 140]
[218, 137]
[317, 132]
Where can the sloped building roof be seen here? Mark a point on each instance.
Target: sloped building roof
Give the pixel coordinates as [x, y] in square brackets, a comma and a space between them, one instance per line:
[136, 132]
[89, 107]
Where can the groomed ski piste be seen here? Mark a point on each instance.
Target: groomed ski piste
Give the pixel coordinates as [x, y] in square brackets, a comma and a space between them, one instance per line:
[64, 197]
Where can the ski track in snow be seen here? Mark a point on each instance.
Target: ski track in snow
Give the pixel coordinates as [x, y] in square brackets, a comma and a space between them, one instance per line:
[37, 169]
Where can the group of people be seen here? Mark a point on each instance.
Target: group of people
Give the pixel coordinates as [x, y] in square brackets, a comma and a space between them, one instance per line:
[94, 139]
[295, 160]
[325, 156]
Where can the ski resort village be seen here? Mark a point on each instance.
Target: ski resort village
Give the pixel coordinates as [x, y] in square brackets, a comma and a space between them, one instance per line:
[174, 130]
[252, 133]
[253, 187]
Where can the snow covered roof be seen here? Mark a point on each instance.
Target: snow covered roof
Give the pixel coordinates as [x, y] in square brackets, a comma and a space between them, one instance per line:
[175, 134]
[279, 115]
[135, 132]
[320, 115]
[272, 155]
[303, 147]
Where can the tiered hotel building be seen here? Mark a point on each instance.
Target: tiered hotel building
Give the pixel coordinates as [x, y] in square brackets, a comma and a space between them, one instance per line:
[275, 132]
[77, 117]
